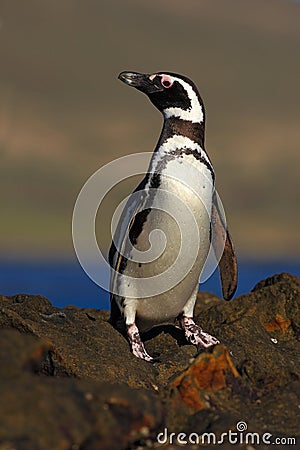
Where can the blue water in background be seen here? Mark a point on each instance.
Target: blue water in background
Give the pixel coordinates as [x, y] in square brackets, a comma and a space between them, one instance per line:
[65, 283]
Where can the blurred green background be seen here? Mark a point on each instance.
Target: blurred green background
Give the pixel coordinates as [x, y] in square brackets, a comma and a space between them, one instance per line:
[63, 113]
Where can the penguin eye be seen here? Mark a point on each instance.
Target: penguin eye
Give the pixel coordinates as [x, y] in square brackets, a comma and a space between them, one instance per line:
[166, 82]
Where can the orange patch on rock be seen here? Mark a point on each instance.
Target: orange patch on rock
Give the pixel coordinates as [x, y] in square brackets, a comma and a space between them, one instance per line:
[207, 373]
[43, 348]
[278, 324]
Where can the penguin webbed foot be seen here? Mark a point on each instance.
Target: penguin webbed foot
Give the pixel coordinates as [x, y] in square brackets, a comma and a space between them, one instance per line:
[195, 335]
[136, 344]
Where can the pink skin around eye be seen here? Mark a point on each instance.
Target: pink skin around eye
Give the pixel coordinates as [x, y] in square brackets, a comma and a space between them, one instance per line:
[166, 81]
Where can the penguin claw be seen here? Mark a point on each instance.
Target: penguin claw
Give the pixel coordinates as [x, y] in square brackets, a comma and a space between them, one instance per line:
[155, 360]
[137, 346]
[195, 335]
[205, 340]
[142, 354]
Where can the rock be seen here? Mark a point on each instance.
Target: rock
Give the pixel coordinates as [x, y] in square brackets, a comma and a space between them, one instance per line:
[193, 389]
[68, 379]
[261, 330]
[40, 411]
[84, 343]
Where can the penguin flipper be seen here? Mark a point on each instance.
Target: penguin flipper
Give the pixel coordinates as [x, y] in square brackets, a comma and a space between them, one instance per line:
[127, 222]
[228, 264]
[228, 269]
[127, 226]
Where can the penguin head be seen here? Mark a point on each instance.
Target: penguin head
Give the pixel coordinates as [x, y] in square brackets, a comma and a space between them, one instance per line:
[173, 95]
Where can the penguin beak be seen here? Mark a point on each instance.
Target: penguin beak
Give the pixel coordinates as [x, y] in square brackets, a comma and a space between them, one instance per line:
[141, 81]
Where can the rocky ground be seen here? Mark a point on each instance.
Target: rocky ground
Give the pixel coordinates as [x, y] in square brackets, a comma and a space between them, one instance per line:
[69, 382]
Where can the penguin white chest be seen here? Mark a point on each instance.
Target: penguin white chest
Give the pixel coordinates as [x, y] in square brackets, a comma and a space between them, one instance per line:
[180, 213]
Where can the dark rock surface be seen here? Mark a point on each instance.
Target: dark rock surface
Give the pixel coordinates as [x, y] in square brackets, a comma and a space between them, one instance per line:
[69, 382]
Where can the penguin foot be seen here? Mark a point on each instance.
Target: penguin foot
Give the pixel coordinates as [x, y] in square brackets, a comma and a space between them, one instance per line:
[136, 344]
[195, 335]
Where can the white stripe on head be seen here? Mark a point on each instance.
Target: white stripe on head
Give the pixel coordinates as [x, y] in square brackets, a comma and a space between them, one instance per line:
[195, 113]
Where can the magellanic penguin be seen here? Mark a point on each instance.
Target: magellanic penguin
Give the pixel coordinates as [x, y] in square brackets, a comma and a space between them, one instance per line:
[163, 289]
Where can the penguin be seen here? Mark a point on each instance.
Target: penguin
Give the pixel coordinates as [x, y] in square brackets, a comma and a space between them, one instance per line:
[177, 197]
